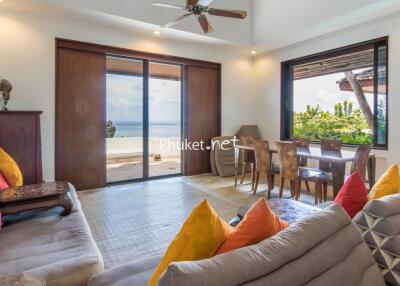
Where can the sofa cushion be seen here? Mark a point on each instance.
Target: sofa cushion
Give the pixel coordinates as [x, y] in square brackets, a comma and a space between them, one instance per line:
[380, 227]
[201, 235]
[10, 169]
[353, 195]
[388, 184]
[61, 249]
[259, 223]
[3, 182]
[136, 273]
[322, 249]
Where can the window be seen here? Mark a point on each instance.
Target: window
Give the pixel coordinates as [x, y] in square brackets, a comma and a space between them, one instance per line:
[339, 94]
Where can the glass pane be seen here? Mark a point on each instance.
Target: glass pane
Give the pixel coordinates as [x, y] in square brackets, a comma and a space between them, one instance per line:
[124, 131]
[334, 98]
[381, 100]
[164, 119]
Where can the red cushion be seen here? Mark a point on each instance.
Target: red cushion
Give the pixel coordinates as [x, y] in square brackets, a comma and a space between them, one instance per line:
[3, 182]
[353, 195]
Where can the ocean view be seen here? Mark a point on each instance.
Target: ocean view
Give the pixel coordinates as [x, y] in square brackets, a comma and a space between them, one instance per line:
[156, 129]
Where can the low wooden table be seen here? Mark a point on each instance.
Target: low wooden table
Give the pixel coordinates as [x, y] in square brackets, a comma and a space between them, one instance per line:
[39, 196]
[21, 279]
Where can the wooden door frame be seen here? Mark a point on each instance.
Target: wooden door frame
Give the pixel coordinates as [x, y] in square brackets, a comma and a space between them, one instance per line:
[123, 52]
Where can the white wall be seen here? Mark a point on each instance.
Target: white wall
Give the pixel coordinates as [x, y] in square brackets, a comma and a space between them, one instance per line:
[27, 59]
[267, 72]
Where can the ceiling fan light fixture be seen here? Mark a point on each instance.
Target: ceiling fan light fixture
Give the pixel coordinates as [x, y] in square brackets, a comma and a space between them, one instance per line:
[199, 8]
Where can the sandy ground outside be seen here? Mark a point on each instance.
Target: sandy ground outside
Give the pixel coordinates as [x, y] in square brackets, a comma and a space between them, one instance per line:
[125, 162]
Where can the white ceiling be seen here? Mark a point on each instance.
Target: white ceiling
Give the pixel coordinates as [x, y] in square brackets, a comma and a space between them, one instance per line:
[271, 24]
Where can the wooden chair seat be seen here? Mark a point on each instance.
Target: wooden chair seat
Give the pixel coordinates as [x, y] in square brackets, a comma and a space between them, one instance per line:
[312, 174]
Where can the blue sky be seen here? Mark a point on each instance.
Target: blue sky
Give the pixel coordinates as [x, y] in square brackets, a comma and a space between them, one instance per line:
[125, 99]
[323, 90]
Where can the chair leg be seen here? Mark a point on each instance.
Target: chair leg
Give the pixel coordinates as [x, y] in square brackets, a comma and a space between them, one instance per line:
[292, 189]
[273, 180]
[243, 172]
[297, 187]
[317, 192]
[325, 191]
[307, 186]
[270, 184]
[257, 178]
[252, 175]
[282, 185]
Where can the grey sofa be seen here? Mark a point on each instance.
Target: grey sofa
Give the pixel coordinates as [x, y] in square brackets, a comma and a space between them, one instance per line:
[60, 249]
[324, 248]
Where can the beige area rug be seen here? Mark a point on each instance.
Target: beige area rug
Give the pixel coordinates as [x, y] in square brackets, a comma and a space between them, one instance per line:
[135, 221]
[138, 220]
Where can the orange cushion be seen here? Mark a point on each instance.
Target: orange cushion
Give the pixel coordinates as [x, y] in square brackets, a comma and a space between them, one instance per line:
[259, 223]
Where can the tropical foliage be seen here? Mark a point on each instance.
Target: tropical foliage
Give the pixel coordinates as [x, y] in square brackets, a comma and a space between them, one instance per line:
[346, 124]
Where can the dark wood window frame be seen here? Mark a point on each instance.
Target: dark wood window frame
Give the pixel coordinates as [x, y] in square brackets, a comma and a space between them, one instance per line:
[287, 85]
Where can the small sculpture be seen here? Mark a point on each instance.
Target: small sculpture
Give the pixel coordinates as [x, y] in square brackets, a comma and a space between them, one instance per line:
[110, 129]
[5, 90]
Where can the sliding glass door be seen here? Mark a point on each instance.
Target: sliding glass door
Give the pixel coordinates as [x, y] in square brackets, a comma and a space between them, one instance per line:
[164, 119]
[143, 127]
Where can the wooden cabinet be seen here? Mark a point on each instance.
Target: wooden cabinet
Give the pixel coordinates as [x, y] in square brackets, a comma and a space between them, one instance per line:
[20, 137]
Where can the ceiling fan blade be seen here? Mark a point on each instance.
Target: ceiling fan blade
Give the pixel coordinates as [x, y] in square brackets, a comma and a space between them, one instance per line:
[205, 25]
[228, 13]
[164, 5]
[191, 3]
[177, 20]
[205, 3]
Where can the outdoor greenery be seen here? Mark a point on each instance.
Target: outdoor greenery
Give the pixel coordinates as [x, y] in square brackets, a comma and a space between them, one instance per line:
[346, 124]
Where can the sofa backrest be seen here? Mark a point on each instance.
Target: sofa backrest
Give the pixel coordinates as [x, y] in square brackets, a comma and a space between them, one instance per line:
[379, 223]
[324, 248]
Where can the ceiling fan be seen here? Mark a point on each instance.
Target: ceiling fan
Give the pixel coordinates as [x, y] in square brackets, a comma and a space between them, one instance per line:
[198, 8]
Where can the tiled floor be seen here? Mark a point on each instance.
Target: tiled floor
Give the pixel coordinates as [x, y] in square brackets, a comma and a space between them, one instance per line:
[135, 221]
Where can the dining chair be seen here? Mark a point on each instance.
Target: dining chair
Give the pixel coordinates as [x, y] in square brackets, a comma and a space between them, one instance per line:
[247, 158]
[361, 160]
[262, 164]
[291, 170]
[328, 145]
[358, 165]
[303, 143]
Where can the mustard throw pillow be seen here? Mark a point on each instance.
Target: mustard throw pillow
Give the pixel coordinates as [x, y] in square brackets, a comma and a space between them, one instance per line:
[201, 235]
[10, 169]
[388, 184]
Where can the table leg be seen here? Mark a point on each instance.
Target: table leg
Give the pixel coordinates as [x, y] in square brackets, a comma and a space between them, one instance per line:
[371, 169]
[338, 173]
[66, 203]
[236, 164]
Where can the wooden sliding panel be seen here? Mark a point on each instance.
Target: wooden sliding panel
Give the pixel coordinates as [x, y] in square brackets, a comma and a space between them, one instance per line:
[202, 114]
[80, 118]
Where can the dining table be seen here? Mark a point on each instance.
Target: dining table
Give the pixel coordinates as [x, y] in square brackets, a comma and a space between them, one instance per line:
[338, 160]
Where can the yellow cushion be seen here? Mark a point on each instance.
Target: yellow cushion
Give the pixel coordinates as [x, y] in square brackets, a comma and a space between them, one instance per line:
[388, 184]
[10, 170]
[201, 235]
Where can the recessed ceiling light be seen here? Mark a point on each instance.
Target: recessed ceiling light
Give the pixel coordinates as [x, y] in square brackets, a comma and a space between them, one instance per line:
[157, 33]
[1, 1]
[253, 52]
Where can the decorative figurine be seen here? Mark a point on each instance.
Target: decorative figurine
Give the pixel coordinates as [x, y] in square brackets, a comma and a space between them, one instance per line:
[110, 129]
[5, 90]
